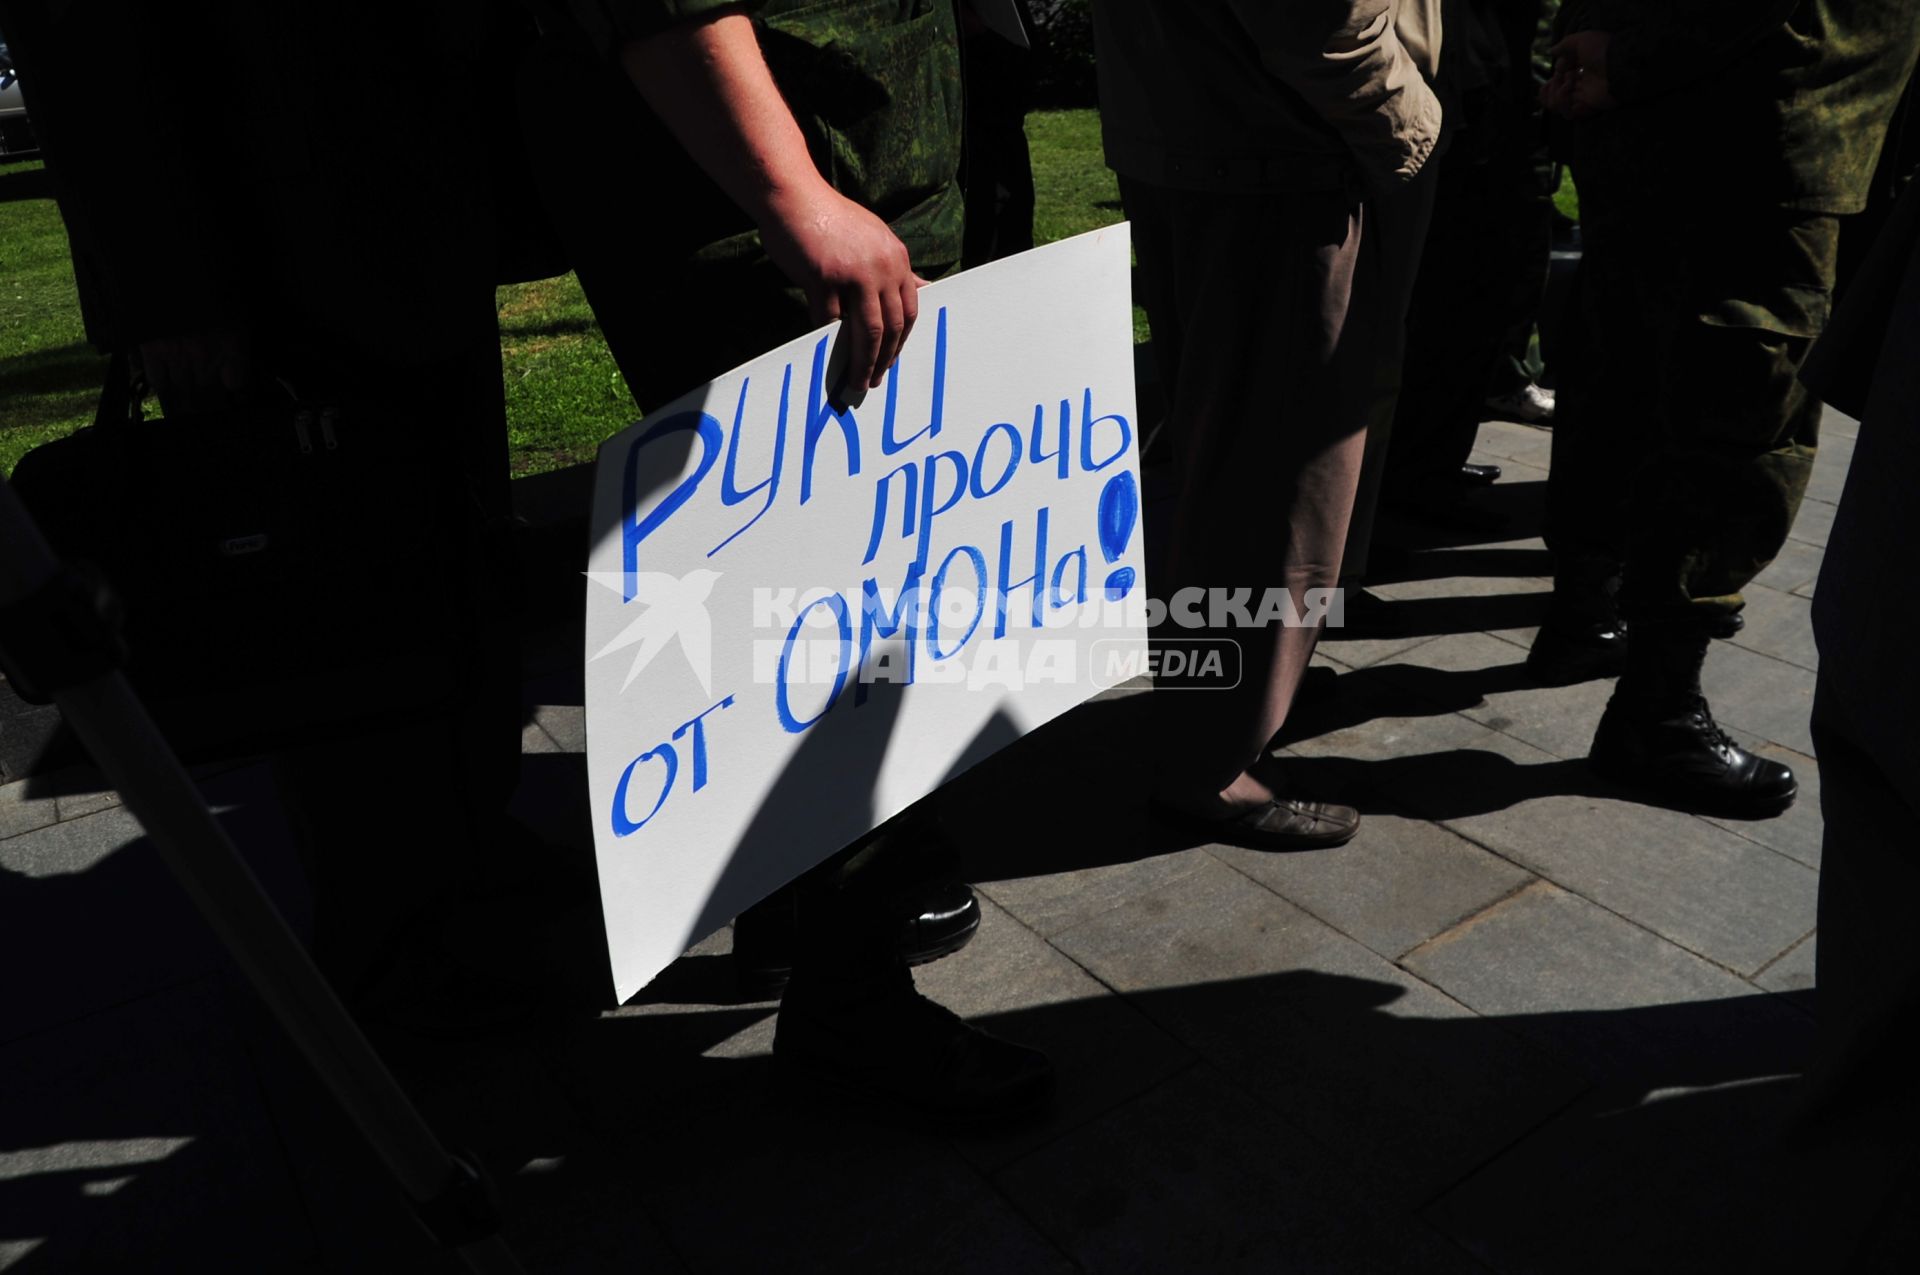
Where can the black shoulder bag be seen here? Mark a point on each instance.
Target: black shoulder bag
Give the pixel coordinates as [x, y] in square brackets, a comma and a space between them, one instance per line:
[288, 567]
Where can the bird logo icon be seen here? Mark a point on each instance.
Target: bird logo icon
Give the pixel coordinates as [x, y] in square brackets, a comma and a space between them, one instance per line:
[671, 608]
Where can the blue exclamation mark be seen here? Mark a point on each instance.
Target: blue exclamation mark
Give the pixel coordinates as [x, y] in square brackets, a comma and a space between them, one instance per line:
[1119, 510]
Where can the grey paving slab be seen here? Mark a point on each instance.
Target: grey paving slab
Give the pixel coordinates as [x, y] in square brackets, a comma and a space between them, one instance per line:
[1324, 657]
[1793, 971]
[89, 907]
[1499, 601]
[135, 1139]
[1760, 695]
[1510, 440]
[1796, 568]
[1797, 832]
[72, 847]
[1487, 679]
[1407, 724]
[1198, 1176]
[1622, 1003]
[1780, 625]
[1438, 765]
[699, 994]
[1805, 590]
[1510, 561]
[565, 724]
[79, 804]
[1104, 1050]
[26, 732]
[1058, 901]
[1813, 523]
[1397, 884]
[20, 812]
[1522, 638]
[535, 740]
[1358, 652]
[1399, 1082]
[708, 1061]
[1535, 585]
[1457, 605]
[1707, 889]
[1558, 719]
[1835, 423]
[1830, 469]
[1514, 470]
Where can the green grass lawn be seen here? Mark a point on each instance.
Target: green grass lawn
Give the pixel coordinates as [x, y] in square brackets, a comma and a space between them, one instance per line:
[49, 375]
[1567, 199]
[564, 393]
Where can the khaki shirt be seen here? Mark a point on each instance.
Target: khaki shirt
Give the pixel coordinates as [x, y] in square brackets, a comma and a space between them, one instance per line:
[1267, 95]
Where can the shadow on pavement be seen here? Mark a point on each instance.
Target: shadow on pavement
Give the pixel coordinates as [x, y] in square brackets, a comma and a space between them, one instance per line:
[1312, 1124]
[1434, 617]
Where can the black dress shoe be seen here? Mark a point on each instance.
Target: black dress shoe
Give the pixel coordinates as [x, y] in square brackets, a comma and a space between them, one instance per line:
[1687, 760]
[899, 1047]
[944, 918]
[1565, 653]
[1479, 475]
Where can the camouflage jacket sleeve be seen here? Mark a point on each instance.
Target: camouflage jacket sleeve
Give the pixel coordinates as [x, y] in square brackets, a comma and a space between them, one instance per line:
[1345, 60]
[1687, 42]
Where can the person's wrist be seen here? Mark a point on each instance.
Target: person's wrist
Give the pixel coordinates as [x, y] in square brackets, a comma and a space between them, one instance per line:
[790, 203]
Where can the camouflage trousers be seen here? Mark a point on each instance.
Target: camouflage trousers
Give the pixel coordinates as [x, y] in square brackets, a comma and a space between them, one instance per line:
[1683, 438]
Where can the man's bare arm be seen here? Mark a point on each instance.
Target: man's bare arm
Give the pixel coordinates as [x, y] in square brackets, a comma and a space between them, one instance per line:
[709, 82]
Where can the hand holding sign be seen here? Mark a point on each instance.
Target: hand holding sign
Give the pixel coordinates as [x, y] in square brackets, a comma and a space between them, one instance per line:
[852, 268]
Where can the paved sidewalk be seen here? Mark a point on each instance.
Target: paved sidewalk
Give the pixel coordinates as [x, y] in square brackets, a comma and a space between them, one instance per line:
[1521, 1023]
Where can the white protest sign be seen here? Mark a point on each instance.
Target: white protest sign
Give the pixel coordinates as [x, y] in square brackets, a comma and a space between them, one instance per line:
[1002, 17]
[800, 620]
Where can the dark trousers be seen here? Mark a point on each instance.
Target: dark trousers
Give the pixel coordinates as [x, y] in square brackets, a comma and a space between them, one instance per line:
[1398, 227]
[396, 817]
[996, 171]
[1265, 312]
[1683, 439]
[1481, 281]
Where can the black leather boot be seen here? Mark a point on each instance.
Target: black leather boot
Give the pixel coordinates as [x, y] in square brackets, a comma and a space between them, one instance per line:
[891, 1045]
[940, 918]
[852, 1022]
[1658, 734]
[1583, 636]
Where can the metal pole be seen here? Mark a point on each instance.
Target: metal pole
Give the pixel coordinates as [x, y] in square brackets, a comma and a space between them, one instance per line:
[131, 752]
